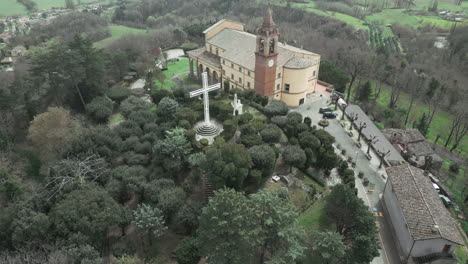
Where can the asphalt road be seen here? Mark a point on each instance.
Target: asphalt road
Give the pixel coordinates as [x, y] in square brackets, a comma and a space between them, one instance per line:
[371, 170]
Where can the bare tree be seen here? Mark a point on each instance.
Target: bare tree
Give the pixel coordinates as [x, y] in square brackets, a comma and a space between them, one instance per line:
[434, 103]
[76, 171]
[371, 141]
[361, 126]
[356, 62]
[352, 117]
[460, 116]
[382, 156]
[414, 90]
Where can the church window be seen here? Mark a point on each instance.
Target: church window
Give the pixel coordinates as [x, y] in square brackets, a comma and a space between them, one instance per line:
[211, 49]
[314, 74]
[217, 52]
[224, 62]
[240, 80]
[286, 87]
[248, 73]
[232, 65]
[272, 45]
[240, 69]
[232, 76]
[224, 72]
[277, 87]
[262, 45]
[248, 84]
[279, 75]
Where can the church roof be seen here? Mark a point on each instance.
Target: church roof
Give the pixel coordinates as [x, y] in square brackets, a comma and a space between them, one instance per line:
[240, 48]
[298, 63]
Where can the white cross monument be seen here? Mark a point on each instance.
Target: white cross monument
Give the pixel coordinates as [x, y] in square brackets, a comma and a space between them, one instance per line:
[237, 105]
[204, 91]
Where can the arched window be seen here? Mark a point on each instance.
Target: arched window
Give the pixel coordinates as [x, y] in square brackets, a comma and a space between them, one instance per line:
[262, 45]
[272, 45]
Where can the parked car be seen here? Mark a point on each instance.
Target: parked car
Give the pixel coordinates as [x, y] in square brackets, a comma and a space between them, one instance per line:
[436, 187]
[433, 179]
[325, 110]
[328, 115]
[445, 200]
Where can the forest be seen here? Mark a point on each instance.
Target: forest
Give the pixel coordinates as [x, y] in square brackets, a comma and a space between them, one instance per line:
[79, 185]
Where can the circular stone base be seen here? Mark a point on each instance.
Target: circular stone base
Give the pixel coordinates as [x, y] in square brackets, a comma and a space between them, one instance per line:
[208, 131]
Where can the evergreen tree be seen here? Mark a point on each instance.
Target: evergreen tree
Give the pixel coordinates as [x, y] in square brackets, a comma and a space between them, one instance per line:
[364, 93]
[421, 125]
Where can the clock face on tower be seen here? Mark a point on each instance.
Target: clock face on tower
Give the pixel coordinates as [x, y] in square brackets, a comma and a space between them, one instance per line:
[271, 63]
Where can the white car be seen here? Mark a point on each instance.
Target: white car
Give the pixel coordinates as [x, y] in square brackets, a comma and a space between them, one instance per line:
[436, 187]
[276, 178]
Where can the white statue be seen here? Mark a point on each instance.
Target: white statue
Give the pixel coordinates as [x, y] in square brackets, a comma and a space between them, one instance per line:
[237, 105]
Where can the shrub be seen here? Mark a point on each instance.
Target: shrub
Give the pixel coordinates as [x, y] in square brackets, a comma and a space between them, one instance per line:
[245, 118]
[361, 175]
[454, 167]
[308, 121]
[271, 134]
[275, 108]
[311, 174]
[230, 128]
[133, 104]
[294, 117]
[184, 124]
[280, 121]
[158, 94]
[204, 142]
[251, 140]
[343, 152]
[365, 182]
[100, 108]
[142, 117]
[167, 107]
[118, 93]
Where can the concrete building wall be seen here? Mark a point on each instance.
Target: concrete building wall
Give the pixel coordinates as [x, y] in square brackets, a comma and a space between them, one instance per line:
[401, 232]
[232, 73]
[298, 81]
[426, 247]
[223, 25]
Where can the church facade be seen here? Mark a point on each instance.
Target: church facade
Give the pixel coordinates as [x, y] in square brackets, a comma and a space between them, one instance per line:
[243, 60]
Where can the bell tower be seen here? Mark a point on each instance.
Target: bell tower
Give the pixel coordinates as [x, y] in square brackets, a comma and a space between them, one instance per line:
[266, 55]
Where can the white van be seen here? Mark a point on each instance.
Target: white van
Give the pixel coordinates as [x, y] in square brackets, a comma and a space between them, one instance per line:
[436, 187]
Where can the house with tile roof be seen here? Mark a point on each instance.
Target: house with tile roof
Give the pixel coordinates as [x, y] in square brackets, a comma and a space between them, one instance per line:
[242, 60]
[424, 229]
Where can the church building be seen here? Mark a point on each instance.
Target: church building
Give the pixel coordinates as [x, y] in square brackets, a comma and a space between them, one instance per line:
[243, 60]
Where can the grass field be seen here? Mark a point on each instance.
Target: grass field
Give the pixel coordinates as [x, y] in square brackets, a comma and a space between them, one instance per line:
[439, 126]
[173, 68]
[11, 7]
[118, 31]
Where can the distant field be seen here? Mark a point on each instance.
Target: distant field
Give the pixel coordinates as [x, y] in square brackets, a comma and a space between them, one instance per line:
[118, 31]
[11, 7]
[391, 16]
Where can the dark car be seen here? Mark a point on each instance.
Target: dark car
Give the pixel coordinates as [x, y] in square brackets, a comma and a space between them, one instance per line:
[325, 110]
[328, 115]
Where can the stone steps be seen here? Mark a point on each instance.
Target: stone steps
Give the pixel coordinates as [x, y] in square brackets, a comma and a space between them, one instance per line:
[209, 189]
[207, 130]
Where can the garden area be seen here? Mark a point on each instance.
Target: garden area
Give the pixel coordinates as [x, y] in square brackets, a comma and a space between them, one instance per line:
[174, 68]
[382, 36]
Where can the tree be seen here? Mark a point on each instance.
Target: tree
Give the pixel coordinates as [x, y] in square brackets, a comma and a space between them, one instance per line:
[328, 246]
[422, 124]
[276, 108]
[364, 93]
[228, 232]
[280, 232]
[167, 108]
[356, 63]
[187, 252]
[271, 133]
[354, 222]
[100, 108]
[69, 4]
[331, 73]
[360, 127]
[85, 215]
[227, 165]
[118, 93]
[263, 157]
[170, 200]
[133, 104]
[150, 220]
[52, 132]
[293, 155]
[174, 149]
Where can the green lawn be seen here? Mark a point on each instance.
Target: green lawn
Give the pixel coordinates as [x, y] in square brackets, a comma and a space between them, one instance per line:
[118, 31]
[461, 254]
[11, 7]
[173, 68]
[315, 218]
